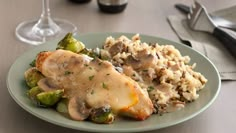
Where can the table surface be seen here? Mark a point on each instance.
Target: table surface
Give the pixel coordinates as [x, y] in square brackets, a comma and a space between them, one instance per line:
[140, 16]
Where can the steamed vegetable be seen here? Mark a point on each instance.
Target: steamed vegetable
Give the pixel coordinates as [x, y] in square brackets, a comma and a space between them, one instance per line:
[102, 115]
[44, 99]
[32, 94]
[49, 98]
[32, 64]
[62, 106]
[94, 53]
[32, 76]
[71, 44]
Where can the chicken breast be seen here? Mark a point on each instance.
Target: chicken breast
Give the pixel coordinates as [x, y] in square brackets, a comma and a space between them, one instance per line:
[95, 82]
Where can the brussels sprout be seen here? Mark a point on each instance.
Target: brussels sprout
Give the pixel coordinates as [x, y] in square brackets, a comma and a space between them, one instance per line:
[71, 44]
[94, 53]
[32, 76]
[62, 106]
[33, 63]
[102, 115]
[49, 98]
[33, 92]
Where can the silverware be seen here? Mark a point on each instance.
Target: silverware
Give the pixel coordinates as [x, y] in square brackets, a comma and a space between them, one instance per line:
[221, 22]
[199, 19]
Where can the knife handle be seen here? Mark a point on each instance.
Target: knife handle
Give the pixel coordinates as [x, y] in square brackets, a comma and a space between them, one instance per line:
[228, 39]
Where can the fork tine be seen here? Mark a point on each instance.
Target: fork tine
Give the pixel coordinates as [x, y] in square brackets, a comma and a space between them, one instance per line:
[197, 5]
[195, 11]
[198, 16]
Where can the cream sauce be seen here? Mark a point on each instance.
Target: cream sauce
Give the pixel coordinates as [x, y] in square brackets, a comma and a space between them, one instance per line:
[97, 83]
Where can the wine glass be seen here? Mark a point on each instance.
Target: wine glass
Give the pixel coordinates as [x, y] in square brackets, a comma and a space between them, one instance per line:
[39, 31]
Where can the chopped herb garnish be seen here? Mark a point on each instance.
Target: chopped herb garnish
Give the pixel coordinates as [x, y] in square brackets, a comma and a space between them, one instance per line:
[150, 88]
[91, 77]
[100, 63]
[32, 64]
[90, 68]
[145, 70]
[108, 74]
[68, 72]
[105, 58]
[133, 75]
[92, 92]
[104, 86]
[86, 65]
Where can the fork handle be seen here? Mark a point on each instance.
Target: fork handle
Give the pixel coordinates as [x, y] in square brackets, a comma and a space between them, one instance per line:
[228, 38]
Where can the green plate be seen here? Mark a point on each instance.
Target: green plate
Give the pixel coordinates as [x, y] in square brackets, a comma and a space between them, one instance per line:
[17, 89]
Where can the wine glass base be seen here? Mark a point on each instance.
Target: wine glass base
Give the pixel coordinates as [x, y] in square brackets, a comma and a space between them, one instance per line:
[24, 32]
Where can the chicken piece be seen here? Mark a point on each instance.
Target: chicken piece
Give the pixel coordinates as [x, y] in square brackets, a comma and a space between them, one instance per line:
[95, 82]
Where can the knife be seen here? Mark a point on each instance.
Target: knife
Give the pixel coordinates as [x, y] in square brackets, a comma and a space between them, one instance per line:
[221, 22]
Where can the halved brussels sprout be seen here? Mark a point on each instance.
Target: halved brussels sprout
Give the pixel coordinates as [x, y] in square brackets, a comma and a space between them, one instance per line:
[102, 115]
[62, 106]
[32, 76]
[94, 53]
[70, 43]
[49, 98]
[33, 92]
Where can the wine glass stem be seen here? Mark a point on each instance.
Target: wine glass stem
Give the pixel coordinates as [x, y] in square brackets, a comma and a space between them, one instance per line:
[46, 26]
[45, 9]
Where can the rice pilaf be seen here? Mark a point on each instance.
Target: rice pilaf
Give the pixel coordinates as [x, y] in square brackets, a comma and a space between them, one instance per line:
[161, 70]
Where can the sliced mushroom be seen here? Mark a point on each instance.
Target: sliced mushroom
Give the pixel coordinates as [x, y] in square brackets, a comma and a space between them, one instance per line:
[135, 63]
[78, 109]
[141, 62]
[142, 53]
[47, 84]
[117, 48]
[148, 61]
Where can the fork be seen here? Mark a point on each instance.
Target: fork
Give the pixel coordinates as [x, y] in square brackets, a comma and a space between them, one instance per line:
[199, 20]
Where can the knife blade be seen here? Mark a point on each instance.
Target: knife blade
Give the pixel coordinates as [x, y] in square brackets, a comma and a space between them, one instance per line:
[221, 22]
